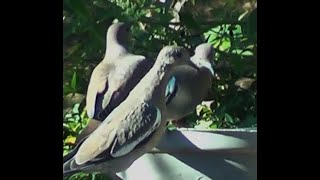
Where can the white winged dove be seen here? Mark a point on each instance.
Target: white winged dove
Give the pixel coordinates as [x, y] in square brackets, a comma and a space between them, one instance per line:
[134, 127]
[189, 85]
[186, 89]
[113, 78]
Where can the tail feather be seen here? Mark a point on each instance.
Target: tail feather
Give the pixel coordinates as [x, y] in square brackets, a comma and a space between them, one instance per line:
[106, 99]
[69, 165]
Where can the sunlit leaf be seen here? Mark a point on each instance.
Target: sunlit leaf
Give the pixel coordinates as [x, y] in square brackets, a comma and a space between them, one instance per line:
[243, 15]
[247, 53]
[70, 140]
[216, 43]
[171, 127]
[76, 108]
[68, 115]
[214, 126]
[212, 37]
[226, 44]
[203, 124]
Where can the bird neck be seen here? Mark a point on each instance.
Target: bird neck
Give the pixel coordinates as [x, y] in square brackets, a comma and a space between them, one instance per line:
[156, 80]
[115, 50]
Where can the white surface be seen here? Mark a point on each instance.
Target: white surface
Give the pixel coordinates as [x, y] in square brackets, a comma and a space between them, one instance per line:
[194, 155]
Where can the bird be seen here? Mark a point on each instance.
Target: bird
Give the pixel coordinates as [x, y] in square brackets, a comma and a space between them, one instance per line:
[114, 77]
[132, 128]
[187, 87]
[190, 84]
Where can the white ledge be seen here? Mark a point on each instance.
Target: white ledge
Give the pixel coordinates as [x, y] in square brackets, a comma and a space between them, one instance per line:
[190, 154]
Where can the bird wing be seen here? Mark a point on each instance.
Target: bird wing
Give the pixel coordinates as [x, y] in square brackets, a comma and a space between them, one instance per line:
[97, 86]
[137, 127]
[128, 72]
[171, 89]
[116, 138]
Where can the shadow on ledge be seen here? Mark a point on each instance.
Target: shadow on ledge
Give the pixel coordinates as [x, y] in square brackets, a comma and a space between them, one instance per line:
[189, 154]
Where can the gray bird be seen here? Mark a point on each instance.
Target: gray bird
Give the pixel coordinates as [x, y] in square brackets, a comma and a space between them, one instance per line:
[190, 84]
[135, 126]
[114, 77]
[187, 87]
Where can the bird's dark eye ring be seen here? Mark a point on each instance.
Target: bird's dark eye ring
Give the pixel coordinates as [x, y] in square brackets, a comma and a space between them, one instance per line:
[179, 55]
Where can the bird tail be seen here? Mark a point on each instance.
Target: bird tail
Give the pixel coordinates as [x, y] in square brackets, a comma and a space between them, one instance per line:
[106, 99]
[69, 165]
[68, 170]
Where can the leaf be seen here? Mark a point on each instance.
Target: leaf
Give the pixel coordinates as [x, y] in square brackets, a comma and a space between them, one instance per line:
[244, 83]
[203, 110]
[75, 128]
[77, 118]
[80, 175]
[216, 43]
[237, 51]
[242, 15]
[203, 124]
[237, 30]
[215, 29]
[247, 53]
[68, 115]
[65, 152]
[70, 139]
[171, 127]
[212, 37]
[250, 46]
[226, 44]
[84, 114]
[74, 81]
[229, 118]
[214, 125]
[66, 126]
[76, 108]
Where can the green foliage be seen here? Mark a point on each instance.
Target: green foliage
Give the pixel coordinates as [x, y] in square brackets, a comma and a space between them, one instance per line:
[229, 25]
[86, 176]
[73, 123]
[74, 82]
